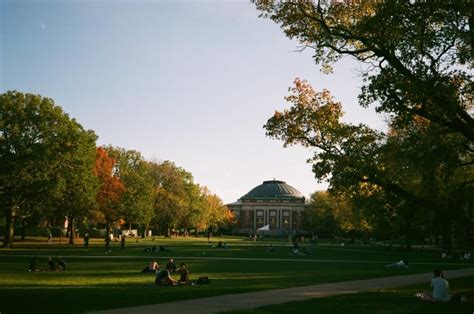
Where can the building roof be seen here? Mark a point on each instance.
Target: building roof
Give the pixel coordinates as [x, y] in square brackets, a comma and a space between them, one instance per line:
[273, 189]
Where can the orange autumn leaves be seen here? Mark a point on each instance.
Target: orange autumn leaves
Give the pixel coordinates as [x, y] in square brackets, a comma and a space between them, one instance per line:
[111, 188]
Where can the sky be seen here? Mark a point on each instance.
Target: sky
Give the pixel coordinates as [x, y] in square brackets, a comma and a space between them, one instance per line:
[192, 82]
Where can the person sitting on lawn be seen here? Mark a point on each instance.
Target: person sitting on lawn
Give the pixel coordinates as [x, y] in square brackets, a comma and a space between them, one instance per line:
[163, 278]
[171, 265]
[184, 278]
[61, 264]
[152, 267]
[51, 263]
[440, 288]
[400, 264]
[270, 248]
[296, 249]
[33, 266]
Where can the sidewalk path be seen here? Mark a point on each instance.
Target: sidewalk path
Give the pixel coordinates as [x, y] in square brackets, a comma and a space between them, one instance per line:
[251, 300]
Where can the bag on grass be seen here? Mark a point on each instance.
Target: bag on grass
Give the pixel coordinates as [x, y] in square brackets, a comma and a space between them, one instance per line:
[203, 280]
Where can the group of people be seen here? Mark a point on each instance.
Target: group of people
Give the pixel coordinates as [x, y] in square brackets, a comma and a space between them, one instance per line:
[58, 265]
[155, 248]
[163, 276]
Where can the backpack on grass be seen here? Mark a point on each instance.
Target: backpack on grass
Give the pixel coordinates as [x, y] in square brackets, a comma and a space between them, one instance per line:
[203, 280]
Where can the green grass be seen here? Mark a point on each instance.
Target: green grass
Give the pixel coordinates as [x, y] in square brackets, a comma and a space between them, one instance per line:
[393, 301]
[93, 282]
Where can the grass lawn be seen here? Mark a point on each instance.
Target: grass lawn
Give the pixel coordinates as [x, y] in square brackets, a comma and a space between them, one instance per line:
[393, 301]
[97, 281]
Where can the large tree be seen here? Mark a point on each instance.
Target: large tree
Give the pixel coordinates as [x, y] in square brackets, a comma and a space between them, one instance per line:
[171, 199]
[111, 188]
[138, 199]
[78, 185]
[412, 169]
[416, 55]
[35, 137]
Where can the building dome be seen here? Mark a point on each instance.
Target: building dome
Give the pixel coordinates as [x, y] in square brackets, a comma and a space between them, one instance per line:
[273, 189]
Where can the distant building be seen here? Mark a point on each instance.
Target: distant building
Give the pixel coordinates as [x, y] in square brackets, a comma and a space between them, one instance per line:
[272, 203]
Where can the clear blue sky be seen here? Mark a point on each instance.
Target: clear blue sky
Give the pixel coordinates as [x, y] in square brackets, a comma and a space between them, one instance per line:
[188, 81]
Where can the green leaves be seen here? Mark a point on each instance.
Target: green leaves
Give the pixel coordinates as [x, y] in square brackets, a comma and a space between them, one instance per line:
[46, 157]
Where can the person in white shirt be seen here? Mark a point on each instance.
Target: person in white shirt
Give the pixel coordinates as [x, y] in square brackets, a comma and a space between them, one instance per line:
[439, 286]
[400, 264]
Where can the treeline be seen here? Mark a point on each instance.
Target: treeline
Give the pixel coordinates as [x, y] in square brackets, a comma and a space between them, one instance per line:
[415, 179]
[51, 169]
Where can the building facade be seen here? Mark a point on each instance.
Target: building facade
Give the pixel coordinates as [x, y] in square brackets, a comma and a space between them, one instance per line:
[273, 203]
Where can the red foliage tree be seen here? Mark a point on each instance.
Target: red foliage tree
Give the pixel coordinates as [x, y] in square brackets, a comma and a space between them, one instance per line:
[111, 188]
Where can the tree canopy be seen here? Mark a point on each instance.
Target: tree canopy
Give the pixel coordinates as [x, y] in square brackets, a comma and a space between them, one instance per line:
[44, 156]
[416, 64]
[416, 56]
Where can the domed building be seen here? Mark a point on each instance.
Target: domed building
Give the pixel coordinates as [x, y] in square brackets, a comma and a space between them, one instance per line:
[272, 203]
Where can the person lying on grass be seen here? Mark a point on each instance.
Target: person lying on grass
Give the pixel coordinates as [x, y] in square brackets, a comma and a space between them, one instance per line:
[400, 264]
[163, 278]
[152, 267]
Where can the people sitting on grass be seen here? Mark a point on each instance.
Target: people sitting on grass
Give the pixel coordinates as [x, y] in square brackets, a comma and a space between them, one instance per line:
[270, 248]
[440, 287]
[51, 264]
[400, 264]
[163, 278]
[61, 264]
[465, 256]
[152, 267]
[296, 249]
[184, 277]
[33, 266]
[152, 248]
[171, 265]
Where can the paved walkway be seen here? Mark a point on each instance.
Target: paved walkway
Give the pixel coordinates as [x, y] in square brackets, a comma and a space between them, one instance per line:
[261, 298]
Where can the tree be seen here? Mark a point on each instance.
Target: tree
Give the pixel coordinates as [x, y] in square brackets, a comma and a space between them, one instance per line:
[418, 172]
[35, 136]
[111, 188]
[77, 182]
[171, 200]
[416, 62]
[138, 199]
[214, 214]
[416, 55]
[320, 216]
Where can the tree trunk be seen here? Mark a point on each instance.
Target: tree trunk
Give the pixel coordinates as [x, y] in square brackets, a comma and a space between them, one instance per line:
[446, 236]
[71, 230]
[107, 229]
[145, 230]
[23, 229]
[10, 228]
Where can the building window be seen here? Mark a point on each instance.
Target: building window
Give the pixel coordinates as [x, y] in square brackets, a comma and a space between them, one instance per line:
[285, 223]
[272, 221]
[259, 218]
